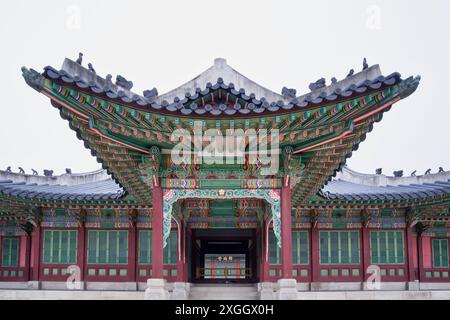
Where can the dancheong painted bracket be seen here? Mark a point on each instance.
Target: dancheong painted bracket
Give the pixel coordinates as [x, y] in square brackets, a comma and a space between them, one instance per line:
[171, 196]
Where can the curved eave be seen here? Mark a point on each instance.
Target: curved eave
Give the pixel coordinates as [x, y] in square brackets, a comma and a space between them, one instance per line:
[192, 103]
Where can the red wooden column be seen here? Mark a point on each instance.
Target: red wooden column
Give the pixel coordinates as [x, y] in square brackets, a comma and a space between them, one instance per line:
[180, 252]
[187, 233]
[410, 254]
[286, 231]
[81, 251]
[315, 271]
[264, 264]
[365, 252]
[136, 253]
[36, 253]
[420, 256]
[27, 257]
[157, 233]
[132, 257]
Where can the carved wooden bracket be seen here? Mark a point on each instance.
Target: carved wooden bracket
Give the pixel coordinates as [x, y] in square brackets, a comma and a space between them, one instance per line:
[81, 217]
[150, 167]
[421, 227]
[314, 217]
[366, 217]
[412, 216]
[133, 217]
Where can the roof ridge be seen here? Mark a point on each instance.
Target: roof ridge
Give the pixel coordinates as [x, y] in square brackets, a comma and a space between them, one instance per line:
[62, 180]
[380, 180]
[259, 99]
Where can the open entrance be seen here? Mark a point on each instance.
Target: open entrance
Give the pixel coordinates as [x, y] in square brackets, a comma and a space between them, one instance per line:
[224, 256]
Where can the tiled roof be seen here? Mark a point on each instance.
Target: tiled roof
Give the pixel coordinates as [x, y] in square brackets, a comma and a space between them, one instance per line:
[78, 187]
[351, 186]
[183, 99]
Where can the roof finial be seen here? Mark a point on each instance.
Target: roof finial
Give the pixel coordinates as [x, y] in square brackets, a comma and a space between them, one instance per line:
[351, 73]
[108, 83]
[321, 83]
[124, 83]
[150, 95]
[413, 174]
[428, 172]
[365, 65]
[48, 173]
[91, 68]
[290, 93]
[398, 174]
[80, 58]
[220, 62]
[441, 169]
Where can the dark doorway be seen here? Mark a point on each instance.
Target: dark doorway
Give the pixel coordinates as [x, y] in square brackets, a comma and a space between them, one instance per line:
[224, 256]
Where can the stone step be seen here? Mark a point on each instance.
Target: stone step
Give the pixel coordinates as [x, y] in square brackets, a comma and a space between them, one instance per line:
[223, 292]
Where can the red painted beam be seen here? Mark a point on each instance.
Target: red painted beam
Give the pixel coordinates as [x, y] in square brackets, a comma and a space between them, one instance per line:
[82, 116]
[342, 135]
[380, 108]
[119, 142]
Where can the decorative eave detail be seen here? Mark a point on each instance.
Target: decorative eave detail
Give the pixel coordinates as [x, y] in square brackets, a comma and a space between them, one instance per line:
[409, 86]
[33, 78]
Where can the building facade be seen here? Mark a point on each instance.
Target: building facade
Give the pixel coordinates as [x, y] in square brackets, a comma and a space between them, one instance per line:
[312, 224]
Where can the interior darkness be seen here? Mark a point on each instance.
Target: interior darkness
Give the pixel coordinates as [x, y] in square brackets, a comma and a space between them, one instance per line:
[224, 242]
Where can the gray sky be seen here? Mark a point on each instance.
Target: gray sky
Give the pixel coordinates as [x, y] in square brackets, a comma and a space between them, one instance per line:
[275, 43]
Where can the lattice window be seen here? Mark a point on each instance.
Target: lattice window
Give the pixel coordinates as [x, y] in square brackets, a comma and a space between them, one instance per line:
[145, 247]
[274, 250]
[107, 247]
[10, 252]
[440, 253]
[300, 247]
[387, 247]
[60, 247]
[170, 251]
[339, 247]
